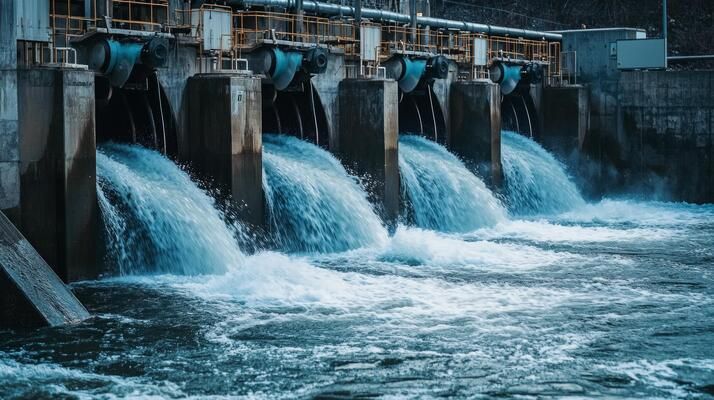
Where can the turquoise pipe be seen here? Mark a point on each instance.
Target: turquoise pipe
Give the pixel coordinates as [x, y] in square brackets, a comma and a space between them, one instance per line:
[412, 72]
[508, 76]
[285, 66]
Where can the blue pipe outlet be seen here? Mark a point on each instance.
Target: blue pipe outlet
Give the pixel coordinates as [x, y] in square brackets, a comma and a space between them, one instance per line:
[284, 67]
[508, 76]
[116, 59]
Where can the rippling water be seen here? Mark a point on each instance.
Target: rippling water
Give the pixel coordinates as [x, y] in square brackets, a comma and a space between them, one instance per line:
[610, 299]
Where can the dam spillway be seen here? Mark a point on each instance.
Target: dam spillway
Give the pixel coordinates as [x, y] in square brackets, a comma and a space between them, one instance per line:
[275, 199]
[382, 309]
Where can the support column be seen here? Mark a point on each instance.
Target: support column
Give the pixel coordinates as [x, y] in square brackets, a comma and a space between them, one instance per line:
[369, 138]
[9, 143]
[225, 138]
[58, 194]
[565, 115]
[475, 127]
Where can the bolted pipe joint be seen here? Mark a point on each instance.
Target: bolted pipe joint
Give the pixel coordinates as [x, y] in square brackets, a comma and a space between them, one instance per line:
[437, 68]
[315, 61]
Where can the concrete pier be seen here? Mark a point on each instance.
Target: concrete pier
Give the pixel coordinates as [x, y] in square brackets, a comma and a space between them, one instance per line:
[475, 127]
[32, 294]
[565, 115]
[57, 210]
[225, 138]
[9, 151]
[369, 138]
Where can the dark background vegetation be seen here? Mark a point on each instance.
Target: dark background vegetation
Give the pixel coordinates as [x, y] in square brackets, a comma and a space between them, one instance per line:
[691, 22]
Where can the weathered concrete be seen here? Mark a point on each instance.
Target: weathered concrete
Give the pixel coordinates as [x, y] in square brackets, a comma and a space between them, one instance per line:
[180, 66]
[475, 127]
[327, 87]
[369, 138]
[565, 113]
[649, 132]
[58, 210]
[32, 294]
[9, 147]
[225, 143]
[442, 92]
[665, 133]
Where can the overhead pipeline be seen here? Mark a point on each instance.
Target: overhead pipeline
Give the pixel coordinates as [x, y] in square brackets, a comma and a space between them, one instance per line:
[328, 9]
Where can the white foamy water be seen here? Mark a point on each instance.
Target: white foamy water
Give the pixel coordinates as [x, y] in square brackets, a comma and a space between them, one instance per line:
[536, 183]
[612, 299]
[313, 204]
[443, 194]
[157, 220]
[545, 231]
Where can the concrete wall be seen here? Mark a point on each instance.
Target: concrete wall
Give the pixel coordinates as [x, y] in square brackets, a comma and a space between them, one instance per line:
[225, 140]
[9, 147]
[475, 127]
[442, 90]
[58, 210]
[181, 65]
[665, 133]
[649, 132]
[327, 87]
[369, 139]
[565, 116]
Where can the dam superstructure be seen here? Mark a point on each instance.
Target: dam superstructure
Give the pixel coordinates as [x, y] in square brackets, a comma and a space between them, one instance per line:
[201, 82]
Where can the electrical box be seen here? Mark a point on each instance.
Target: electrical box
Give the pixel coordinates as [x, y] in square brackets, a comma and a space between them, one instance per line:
[32, 19]
[480, 52]
[371, 38]
[215, 26]
[641, 54]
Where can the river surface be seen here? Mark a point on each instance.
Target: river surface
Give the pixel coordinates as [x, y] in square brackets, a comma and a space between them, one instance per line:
[610, 299]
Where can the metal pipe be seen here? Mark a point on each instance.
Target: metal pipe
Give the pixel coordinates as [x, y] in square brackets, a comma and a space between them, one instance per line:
[413, 19]
[328, 9]
[703, 57]
[358, 12]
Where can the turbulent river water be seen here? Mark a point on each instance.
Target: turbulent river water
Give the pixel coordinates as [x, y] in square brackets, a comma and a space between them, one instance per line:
[613, 298]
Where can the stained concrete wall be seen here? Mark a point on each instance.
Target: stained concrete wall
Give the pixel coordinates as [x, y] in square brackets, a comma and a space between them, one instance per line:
[649, 131]
[565, 115]
[442, 92]
[665, 133]
[180, 66]
[9, 147]
[475, 127]
[225, 140]
[369, 138]
[58, 211]
[327, 86]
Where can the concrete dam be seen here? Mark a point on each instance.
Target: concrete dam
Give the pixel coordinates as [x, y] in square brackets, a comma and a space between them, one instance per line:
[280, 199]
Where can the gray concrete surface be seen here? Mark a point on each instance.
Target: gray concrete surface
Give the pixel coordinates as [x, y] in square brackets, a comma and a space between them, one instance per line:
[475, 127]
[225, 141]
[369, 138]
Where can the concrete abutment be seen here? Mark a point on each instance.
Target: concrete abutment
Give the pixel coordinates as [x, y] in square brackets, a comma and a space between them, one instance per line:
[369, 138]
[225, 138]
[475, 127]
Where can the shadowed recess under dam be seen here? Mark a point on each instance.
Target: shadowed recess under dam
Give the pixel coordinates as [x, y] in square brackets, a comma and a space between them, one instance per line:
[313, 204]
[440, 192]
[536, 183]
